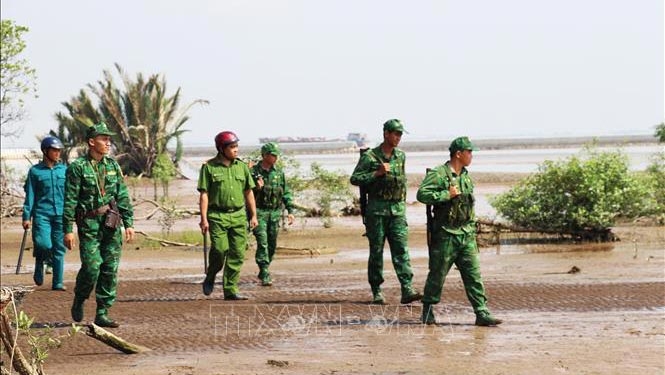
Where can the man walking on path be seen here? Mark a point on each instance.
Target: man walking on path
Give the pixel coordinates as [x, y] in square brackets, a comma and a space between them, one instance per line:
[97, 199]
[44, 202]
[272, 195]
[380, 171]
[449, 189]
[225, 187]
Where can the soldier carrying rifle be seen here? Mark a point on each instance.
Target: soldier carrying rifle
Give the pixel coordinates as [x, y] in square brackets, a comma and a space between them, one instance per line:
[380, 173]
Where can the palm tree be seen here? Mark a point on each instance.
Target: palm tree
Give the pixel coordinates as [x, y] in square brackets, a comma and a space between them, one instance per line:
[144, 118]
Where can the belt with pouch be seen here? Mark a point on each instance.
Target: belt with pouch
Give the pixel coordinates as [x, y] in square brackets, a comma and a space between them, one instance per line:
[98, 211]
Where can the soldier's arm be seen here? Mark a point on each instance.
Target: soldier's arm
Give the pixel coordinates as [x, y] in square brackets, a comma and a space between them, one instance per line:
[433, 189]
[124, 201]
[365, 172]
[72, 188]
[29, 201]
[287, 198]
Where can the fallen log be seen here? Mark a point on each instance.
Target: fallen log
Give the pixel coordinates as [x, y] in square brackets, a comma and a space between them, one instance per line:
[165, 242]
[99, 333]
[604, 235]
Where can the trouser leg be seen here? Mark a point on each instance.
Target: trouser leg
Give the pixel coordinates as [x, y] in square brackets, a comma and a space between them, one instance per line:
[237, 238]
[107, 281]
[441, 258]
[469, 267]
[397, 234]
[376, 237]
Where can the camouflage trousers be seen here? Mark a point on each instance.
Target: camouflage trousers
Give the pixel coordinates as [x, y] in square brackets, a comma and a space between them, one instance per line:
[266, 236]
[395, 230]
[49, 247]
[99, 249]
[228, 237]
[461, 250]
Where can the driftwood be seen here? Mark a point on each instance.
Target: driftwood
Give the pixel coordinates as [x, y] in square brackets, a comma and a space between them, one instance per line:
[158, 207]
[165, 242]
[99, 333]
[11, 297]
[590, 234]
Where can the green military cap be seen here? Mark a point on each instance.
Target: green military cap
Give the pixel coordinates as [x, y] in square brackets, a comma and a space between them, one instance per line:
[270, 148]
[394, 125]
[461, 144]
[98, 129]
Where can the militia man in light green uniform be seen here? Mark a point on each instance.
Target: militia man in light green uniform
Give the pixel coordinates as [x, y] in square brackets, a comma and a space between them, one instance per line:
[380, 171]
[272, 195]
[449, 189]
[97, 199]
[225, 187]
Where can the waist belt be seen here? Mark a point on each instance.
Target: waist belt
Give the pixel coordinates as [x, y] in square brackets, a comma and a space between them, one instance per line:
[226, 210]
[96, 212]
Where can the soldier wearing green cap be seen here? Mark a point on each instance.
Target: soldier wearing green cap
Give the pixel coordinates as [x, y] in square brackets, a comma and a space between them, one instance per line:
[449, 189]
[380, 171]
[272, 195]
[97, 199]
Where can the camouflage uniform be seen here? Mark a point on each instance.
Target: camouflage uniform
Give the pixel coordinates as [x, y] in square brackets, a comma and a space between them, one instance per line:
[44, 199]
[227, 218]
[269, 200]
[385, 217]
[90, 185]
[453, 236]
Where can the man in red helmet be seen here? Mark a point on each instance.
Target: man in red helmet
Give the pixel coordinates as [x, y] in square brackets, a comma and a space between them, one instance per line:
[225, 186]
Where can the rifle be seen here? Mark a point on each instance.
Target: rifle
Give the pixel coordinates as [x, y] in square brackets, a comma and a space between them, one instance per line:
[363, 194]
[430, 219]
[20, 253]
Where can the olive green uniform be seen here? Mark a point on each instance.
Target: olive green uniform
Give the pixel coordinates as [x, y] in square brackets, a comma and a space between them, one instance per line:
[89, 185]
[270, 200]
[453, 235]
[385, 216]
[225, 186]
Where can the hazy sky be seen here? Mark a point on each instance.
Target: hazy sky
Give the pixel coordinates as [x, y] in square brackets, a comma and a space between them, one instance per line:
[485, 68]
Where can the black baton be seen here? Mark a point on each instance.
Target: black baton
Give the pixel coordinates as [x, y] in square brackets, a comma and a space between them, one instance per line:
[205, 252]
[20, 252]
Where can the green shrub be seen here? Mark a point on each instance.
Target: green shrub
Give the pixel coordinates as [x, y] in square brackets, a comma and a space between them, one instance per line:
[577, 194]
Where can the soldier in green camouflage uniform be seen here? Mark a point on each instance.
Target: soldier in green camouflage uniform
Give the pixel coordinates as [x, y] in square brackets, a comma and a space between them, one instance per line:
[380, 171]
[272, 195]
[225, 187]
[449, 189]
[93, 186]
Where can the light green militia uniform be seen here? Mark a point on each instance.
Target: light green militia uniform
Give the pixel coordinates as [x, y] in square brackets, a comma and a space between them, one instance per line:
[270, 200]
[90, 185]
[227, 219]
[385, 216]
[453, 235]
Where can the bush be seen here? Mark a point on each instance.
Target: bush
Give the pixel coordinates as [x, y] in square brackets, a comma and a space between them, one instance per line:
[575, 194]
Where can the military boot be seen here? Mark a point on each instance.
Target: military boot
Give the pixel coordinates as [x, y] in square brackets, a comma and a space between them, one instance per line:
[485, 319]
[410, 295]
[105, 321]
[264, 276]
[377, 297]
[428, 314]
[77, 309]
[38, 276]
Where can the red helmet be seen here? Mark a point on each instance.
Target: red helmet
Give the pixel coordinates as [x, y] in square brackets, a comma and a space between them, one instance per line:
[224, 139]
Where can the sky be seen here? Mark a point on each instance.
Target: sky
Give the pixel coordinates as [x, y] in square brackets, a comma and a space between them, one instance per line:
[482, 68]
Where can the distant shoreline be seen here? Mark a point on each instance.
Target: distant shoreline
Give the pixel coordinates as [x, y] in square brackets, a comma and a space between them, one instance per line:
[406, 145]
[437, 145]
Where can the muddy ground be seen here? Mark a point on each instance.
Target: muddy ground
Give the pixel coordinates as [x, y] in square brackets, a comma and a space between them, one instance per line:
[609, 318]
